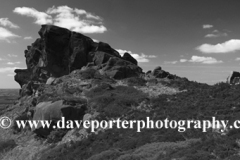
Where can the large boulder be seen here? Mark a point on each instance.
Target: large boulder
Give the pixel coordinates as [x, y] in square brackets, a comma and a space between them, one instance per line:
[119, 69]
[54, 111]
[60, 51]
[104, 47]
[159, 73]
[129, 58]
[234, 78]
[57, 53]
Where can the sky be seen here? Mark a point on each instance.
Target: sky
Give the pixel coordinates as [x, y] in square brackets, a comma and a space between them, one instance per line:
[197, 39]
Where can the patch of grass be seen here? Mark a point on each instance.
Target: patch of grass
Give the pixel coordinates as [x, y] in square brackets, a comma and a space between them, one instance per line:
[135, 81]
[114, 102]
[56, 135]
[6, 145]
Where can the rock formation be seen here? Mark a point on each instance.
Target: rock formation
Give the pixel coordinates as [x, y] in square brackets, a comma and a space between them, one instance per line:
[62, 65]
[234, 78]
[59, 51]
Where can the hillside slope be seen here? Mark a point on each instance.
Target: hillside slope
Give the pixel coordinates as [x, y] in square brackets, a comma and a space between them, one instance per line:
[69, 74]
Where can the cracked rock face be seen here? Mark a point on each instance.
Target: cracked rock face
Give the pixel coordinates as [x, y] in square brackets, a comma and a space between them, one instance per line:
[59, 51]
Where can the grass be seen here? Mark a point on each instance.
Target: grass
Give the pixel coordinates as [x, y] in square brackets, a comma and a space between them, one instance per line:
[6, 145]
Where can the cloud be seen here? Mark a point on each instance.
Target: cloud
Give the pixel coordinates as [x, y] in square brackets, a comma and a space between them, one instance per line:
[40, 17]
[226, 47]
[207, 26]
[6, 35]
[8, 69]
[237, 59]
[6, 23]
[197, 59]
[183, 60]
[77, 20]
[27, 38]
[170, 62]
[13, 63]
[204, 60]
[10, 75]
[12, 55]
[139, 57]
[216, 34]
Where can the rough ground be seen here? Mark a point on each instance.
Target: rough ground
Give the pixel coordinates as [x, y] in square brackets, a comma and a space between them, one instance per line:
[70, 75]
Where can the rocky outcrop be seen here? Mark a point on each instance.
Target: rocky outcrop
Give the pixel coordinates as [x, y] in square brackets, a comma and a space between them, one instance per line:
[159, 73]
[23, 76]
[100, 57]
[59, 51]
[118, 69]
[129, 58]
[234, 78]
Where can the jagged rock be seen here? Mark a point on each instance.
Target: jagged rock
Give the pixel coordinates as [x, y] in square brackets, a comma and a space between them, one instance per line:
[101, 57]
[157, 70]
[59, 51]
[22, 76]
[159, 73]
[54, 111]
[118, 69]
[129, 58]
[104, 47]
[234, 78]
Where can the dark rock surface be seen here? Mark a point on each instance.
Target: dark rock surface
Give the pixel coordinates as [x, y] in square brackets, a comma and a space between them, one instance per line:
[234, 78]
[22, 76]
[129, 58]
[118, 69]
[59, 51]
[159, 73]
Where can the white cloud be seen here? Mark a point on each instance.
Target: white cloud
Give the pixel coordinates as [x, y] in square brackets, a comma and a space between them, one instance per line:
[6, 35]
[207, 26]
[13, 63]
[8, 69]
[204, 60]
[216, 34]
[226, 47]
[183, 60]
[88, 15]
[40, 17]
[12, 55]
[63, 16]
[27, 38]
[139, 57]
[6, 23]
[170, 62]
[197, 59]
[237, 59]
[10, 75]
